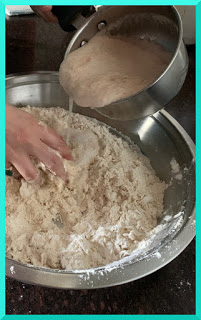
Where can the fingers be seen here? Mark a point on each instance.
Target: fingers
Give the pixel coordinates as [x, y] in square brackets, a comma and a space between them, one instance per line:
[52, 162]
[25, 137]
[45, 12]
[56, 142]
[16, 174]
[50, 17]
[26, 169]
[8, 165]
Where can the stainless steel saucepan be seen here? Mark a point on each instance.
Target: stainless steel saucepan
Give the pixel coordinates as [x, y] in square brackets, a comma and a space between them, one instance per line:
[161, 23]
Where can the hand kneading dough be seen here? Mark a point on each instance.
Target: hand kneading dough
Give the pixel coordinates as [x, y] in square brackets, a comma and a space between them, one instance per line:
[111, 203]
[109, 68]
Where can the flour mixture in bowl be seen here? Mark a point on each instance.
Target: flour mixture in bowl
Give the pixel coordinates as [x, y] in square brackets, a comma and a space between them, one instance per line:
[110, 204]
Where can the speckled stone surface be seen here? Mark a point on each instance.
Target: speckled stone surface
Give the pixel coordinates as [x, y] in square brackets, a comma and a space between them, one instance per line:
[32, 45]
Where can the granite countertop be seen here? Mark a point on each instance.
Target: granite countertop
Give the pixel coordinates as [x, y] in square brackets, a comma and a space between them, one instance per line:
[32, 45]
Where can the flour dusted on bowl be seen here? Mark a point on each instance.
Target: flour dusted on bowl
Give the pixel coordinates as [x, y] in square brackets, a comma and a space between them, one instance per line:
[111, 203]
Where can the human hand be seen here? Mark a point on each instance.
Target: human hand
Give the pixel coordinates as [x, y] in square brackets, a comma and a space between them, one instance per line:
[45, 12]
[25, 137]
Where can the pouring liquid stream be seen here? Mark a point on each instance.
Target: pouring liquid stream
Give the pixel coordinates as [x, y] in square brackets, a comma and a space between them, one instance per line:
[70, 110]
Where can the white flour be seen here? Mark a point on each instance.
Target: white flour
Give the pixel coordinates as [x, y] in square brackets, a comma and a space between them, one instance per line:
[111, 203]
[176, 170]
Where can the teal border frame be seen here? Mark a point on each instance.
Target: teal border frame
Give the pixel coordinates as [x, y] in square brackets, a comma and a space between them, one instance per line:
[2, 156]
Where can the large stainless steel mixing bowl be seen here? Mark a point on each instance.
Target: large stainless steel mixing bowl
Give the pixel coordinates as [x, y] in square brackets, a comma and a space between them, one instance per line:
[159, 23]
[160, 138]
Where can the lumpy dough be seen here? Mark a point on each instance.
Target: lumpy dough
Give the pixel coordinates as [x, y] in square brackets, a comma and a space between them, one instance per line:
[111, 203]
[112, 66]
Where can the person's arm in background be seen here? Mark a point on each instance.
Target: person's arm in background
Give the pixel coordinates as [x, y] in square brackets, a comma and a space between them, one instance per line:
[25, 137]
[45, 12]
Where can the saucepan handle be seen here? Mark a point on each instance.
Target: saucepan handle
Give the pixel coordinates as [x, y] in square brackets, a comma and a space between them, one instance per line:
[71, 17]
